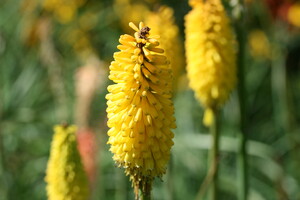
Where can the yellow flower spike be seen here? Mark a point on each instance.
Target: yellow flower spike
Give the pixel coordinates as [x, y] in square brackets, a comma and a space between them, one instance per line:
[146, 114]
[65, 176]
[211, 53]
[163, 24]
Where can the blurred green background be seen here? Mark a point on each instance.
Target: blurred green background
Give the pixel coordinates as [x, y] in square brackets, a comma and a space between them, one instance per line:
[54, 59]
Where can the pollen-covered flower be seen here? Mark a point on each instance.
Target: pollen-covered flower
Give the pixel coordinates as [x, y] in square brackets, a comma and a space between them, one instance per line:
[163, 24]
[211, 53]
[65, 175]
[140, 110]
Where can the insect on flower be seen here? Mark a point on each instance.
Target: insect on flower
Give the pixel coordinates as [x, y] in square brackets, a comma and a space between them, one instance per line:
[140, 110]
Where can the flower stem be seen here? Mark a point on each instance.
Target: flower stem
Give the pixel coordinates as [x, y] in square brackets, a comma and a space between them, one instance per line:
[214, 154]
[143, 190]
[242, 148]
[169, 184]
[145, 193]
[145, 196]
[3, 176]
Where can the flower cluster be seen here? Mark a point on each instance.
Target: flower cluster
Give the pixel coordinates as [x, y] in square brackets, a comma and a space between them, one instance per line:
[140, 110]
[211, 53]
[65, 175]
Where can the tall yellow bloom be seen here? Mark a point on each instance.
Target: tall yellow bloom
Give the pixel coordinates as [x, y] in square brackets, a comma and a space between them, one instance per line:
[211, 54]
[163, 24]
[65, 175]
[140, 110]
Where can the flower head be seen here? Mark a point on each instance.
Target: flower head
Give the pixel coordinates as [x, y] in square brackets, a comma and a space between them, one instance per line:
[211, 53]
[65, 175]
[140, 110]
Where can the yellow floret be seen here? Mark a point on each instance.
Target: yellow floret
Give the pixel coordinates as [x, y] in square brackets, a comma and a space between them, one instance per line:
[140, 110]
[211, 53]
[65, 175]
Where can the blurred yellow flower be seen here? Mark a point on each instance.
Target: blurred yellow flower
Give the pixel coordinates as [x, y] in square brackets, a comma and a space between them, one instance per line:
[88, 21]
[140, 110]
[64, 11]
[259, 44]
[294, 14]
[211, 53]
[163, 24]
[130, 11]
[65, 175]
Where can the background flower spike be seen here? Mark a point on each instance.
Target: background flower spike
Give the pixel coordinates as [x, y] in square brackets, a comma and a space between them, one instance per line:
[65, 176]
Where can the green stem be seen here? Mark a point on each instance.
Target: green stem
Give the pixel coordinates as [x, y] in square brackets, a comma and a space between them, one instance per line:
[242, 149]
[145, 196]
[242, 167]
[142, 189]
[3, 182]
[214, 157]
[169, 184]
[145, 193]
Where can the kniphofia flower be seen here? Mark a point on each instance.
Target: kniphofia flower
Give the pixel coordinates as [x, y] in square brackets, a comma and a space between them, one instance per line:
[140, 110]
[65, 175]
[163, 24]
[211, 54]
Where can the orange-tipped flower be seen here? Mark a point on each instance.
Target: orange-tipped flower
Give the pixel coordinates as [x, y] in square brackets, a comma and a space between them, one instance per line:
[87, 147]
[211, 54]
[140, 110]
[65, 176]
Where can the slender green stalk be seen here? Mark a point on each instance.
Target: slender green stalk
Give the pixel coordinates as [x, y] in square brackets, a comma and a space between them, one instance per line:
[242, 167]
[211, 179]
[214, 154]
[169, 183]
[145, 196]
[145, 192]
[242, 149]
[3, 182]
[205, 185]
